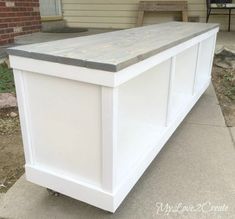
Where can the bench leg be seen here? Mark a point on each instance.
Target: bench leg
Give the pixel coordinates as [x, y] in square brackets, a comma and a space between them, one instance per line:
[140, 18]
[229, 20]
[185, 15]
[208, 15]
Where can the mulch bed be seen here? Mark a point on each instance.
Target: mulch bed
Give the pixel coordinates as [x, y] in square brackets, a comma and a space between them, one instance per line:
[223, 79]
[11, 149]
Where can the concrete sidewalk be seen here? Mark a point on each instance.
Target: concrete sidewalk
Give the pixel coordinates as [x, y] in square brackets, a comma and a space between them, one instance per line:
[195, 167]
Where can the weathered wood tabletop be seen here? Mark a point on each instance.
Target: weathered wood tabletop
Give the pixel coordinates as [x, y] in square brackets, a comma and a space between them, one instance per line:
[114, 51]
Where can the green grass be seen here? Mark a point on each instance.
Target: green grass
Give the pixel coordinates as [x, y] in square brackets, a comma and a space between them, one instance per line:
[6, 79]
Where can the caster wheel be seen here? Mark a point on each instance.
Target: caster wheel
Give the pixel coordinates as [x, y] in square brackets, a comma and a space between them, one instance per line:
[53, 193]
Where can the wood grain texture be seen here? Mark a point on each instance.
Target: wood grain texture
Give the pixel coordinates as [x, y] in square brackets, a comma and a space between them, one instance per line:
[116, 50]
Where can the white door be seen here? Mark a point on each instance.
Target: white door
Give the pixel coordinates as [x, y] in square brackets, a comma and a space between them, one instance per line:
[50, 8]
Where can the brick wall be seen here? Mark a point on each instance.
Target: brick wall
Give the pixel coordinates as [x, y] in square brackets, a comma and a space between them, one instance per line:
[18, 17]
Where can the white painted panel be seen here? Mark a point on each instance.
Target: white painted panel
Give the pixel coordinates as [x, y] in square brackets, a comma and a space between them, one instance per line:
[182, 80]
[65, 126]
[205, 61]
[142, 115]
[185, 69]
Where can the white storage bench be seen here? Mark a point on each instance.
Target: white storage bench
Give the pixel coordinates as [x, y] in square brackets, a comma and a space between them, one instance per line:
[96, 110]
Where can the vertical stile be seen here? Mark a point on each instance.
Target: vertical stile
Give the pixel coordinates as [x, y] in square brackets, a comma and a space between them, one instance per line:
[170, 85]
[109, 137]
[24, 115]
[212, 55]
[196, 69]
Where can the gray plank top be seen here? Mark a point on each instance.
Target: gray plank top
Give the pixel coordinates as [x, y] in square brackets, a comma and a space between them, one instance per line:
[114, 51]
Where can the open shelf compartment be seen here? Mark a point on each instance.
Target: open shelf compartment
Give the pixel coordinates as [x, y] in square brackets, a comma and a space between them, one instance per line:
[142, 115]
[182, 81]
[205, 60]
